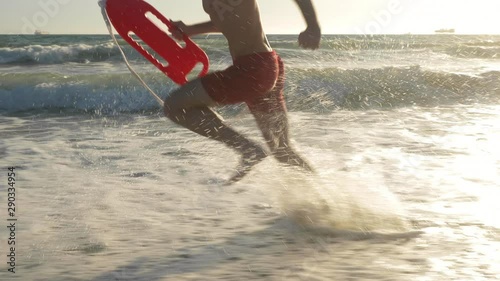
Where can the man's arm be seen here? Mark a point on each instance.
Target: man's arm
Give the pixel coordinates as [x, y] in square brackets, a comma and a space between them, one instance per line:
[311, 37]
[191, 30]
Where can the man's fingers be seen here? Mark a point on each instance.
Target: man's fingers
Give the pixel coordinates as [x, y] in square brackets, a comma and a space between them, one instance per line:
[308, 44]
[178, 25]
[308, 40]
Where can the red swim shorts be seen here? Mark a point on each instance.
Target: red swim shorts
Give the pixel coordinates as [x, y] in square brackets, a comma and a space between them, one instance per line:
[257, 79]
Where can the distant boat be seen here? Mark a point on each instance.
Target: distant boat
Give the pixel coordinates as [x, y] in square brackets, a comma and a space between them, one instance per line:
[41, 32]
[451, 30]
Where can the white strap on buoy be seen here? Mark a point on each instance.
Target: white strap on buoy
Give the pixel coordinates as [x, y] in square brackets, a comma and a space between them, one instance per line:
[102, 3]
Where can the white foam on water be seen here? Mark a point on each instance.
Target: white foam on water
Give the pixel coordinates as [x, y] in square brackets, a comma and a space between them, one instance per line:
[327, 201]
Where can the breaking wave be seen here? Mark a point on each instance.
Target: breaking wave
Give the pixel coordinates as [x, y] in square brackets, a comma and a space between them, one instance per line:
[306, 90]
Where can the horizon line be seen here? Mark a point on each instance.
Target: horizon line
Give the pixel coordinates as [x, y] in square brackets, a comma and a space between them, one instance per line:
[296, 34]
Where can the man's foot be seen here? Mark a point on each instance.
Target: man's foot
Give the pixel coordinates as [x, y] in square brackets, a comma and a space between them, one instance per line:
[289, 157]
[248, 160]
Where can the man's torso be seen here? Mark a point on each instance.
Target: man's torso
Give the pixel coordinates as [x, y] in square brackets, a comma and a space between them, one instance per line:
[239, 21]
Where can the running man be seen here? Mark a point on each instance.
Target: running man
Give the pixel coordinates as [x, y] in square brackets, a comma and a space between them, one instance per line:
[256, 78]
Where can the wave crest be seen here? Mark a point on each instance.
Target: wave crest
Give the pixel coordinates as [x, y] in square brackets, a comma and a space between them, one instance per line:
[57, 54]
[306, 90]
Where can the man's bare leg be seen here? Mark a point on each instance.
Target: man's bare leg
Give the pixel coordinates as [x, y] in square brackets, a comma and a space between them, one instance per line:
[189, 107]
[275, 129]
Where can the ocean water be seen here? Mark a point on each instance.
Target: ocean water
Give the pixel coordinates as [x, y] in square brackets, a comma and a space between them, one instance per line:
[402, 130]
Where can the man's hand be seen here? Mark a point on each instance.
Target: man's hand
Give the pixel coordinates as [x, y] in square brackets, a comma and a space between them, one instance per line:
[179, 30]
[310, 38]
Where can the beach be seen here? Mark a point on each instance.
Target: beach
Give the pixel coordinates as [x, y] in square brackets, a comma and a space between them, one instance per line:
[402, 130]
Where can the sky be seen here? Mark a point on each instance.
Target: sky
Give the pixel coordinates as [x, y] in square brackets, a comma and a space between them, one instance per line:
[278, 16]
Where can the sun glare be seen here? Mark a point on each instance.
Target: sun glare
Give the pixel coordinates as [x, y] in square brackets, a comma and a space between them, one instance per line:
[465, 17]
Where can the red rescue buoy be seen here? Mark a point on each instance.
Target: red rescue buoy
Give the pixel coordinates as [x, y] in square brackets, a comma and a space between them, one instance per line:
[136, 17]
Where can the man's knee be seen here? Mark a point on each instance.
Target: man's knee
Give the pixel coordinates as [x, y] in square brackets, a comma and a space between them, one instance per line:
[167, 110]
[188, 96]
[171, 107]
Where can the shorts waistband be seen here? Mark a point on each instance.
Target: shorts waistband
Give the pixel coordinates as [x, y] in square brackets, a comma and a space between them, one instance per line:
[256, 58]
